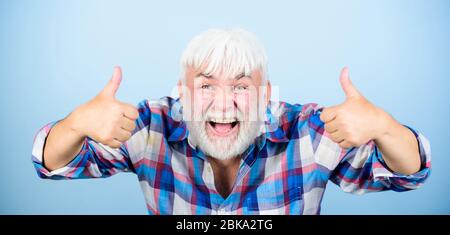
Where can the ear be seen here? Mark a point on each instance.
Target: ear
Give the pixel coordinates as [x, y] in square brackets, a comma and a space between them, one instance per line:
[268, 92]
[180, 88]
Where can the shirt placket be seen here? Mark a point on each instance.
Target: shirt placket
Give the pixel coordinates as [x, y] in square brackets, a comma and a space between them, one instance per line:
[225, 206]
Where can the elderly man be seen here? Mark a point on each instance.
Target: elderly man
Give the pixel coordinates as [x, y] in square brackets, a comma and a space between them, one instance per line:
[224, 147]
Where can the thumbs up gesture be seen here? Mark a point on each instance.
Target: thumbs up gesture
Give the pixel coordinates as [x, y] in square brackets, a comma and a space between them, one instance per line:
[356, 121]
[104, 118]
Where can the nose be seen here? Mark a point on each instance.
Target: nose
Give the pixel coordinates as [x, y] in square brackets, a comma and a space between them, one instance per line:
[224, 100]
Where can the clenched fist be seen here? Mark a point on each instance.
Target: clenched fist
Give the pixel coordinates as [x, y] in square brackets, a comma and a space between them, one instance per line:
[104, 118]
[356, 121]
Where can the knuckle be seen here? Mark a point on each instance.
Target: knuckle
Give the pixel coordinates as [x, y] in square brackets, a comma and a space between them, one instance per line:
[335, 140]
[342, 145]
[350, 139]
[104, 138]
[126, 135]
[346, 144]
[108, 135]
[115, 145]
[136, 113]
[118, 115]
[106, 142]
[322, 116]
[109, 144]
[133, 112]
[354, 143]
[331, 128]
[101, 139]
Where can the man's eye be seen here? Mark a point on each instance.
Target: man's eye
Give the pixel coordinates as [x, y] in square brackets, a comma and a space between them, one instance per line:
[240, 88]
[205, 86]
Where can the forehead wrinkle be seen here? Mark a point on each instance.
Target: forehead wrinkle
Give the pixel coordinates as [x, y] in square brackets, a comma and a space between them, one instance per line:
[219, 75]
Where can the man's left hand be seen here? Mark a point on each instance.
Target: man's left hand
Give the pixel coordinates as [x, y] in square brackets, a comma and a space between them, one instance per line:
[356, 121]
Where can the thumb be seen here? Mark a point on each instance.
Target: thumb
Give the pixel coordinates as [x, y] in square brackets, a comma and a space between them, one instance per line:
[113, 84]
[347, 85]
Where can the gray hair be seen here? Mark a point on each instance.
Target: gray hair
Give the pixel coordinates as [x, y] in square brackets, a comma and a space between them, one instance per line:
[233, 51]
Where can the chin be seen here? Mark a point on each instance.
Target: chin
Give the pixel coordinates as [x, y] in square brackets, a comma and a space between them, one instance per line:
[224, 140]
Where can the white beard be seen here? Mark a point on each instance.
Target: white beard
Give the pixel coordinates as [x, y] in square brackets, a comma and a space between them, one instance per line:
[223, 148]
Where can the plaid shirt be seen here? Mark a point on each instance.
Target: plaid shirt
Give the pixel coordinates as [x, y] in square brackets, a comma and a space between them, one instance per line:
[285, 171]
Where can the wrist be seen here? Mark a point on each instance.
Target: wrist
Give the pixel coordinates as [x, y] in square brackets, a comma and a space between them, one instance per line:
[73, 123]
[386, 126]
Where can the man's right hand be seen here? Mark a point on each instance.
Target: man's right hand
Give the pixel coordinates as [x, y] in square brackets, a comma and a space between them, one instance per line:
[104, 118]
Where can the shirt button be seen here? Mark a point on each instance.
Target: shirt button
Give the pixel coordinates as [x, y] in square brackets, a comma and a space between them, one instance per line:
[222, 212]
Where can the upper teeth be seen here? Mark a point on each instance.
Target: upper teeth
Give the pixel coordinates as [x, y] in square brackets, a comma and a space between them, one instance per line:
[223, 120]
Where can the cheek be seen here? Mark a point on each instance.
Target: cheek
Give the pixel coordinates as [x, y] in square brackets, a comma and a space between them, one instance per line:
[248, 104]
[202, 101]
[243, 102]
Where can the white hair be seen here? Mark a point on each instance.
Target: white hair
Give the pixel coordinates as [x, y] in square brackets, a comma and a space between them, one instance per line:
[233, 51]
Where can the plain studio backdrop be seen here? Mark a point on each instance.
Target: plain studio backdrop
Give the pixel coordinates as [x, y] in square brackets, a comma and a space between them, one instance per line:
[56, 55]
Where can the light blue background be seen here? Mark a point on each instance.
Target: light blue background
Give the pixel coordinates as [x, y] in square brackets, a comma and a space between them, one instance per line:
[55, 55]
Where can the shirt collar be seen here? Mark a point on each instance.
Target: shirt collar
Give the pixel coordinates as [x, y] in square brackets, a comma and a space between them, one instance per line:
[273, 128]
[177, 127]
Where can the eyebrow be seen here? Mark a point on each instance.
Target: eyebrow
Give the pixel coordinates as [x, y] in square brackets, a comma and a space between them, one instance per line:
[239, 76]
[204, 75]
[242, 75]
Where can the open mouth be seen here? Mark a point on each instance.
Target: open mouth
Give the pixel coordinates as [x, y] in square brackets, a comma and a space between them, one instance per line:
[223, 128]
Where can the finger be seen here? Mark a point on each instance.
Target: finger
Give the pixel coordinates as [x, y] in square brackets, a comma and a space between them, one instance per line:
[114, 83]
[128, 124]
[331, 126]
[328, 114]
[114, 143]
[336, 137]
[121, 135]
[347, 85]
[345, 144]
[130, 111]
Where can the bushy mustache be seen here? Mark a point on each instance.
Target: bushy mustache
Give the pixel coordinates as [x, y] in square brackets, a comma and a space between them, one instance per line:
[235, 116]
[215, 116]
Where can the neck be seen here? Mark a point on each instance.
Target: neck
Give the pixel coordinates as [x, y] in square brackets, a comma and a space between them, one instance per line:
[225, 162]
[225, 173]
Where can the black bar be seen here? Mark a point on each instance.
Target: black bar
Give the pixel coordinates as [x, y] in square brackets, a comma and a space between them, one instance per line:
[226, 224]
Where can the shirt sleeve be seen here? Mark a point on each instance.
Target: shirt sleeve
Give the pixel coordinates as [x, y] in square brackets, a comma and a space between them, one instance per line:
[94, 160]
[362, 169]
